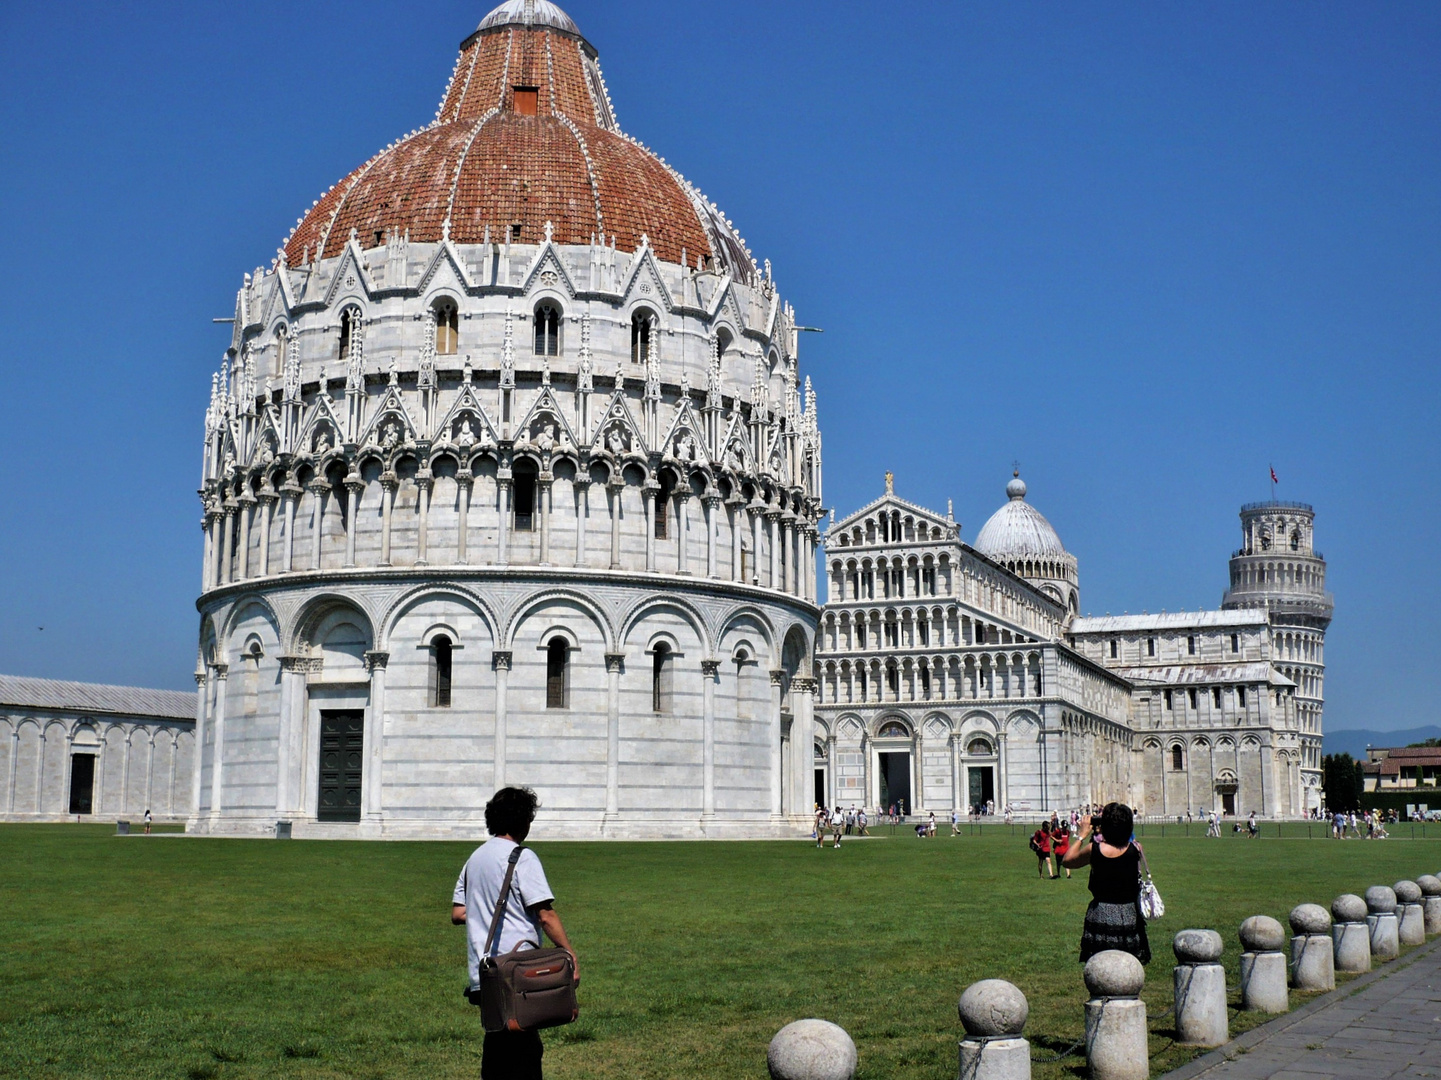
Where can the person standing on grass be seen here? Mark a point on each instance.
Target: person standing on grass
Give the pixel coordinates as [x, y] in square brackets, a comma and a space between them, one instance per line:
[838, 825]
[147, 821]
[1062, 845]
[823, 818]
[1251, 828]
[861, 822]
[507, 1055]
[1113, 918]
[1041, 845]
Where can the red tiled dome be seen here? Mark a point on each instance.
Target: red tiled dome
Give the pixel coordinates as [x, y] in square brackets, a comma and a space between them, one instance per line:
[525, 135]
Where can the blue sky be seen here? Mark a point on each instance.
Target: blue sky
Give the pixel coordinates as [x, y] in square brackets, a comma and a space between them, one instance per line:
[1146, 250]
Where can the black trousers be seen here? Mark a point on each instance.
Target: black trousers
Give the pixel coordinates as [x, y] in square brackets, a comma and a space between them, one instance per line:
[511, 1055]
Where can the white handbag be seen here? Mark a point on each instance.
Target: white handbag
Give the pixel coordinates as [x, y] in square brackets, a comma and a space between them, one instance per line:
[1152, 906]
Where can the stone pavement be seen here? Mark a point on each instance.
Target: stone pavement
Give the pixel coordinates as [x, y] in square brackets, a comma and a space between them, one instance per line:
[1386, 1024]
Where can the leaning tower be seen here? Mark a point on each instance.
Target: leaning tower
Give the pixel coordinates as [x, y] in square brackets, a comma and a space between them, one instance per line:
[1278, 568]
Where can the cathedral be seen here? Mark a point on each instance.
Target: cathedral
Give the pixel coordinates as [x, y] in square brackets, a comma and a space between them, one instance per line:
[511, 476]
[959, 675]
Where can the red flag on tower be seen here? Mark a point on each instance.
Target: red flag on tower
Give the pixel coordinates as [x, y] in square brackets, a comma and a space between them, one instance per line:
[1273, 475]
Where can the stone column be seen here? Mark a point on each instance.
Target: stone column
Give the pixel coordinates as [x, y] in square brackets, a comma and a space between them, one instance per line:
[1201, 1018]
[217, 766]
[756, 512]
[500, 659]
[372, 774]
[785, 562]
[582, 517]
[918, 796]
[226, 526]
[803, 740]
[319, 489]
[614, 665]
[712, 504]
[615, 490]
[247, 514]
[710, 674]
[1382, 924]
[502, 532]
[1350, 934]
[777, 677]
[465, 479]
[955, 770]
[1411, 914]
[202, 695]
[543, 486]
[1430, 885]
[737, 511]
[648, 494]
[1002, 780]
[267, 511]
[994, 1013]
[207, 563]
[682, 528]
[282, 741]
[291, 492]
[1263, 966]
[1116, 1039]
[773, 519]
[423, 483]
[353, 487]
[1313, 967]
[388, 483]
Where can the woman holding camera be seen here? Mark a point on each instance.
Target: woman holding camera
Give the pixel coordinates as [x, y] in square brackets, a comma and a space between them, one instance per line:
[1113, 919]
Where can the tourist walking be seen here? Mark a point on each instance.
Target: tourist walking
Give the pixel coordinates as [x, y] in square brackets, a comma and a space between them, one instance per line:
[955, 821]
[507, 1055]
[861, 822]
[1062, 845]
[1041, 845]
[838, 825]
[931, 823]
[1113, 918]
[1251, 828]
[823, 818]
[147, 821]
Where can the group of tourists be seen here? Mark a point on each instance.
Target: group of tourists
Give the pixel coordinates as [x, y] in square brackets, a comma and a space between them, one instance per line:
[1373, 822]
[839, 822]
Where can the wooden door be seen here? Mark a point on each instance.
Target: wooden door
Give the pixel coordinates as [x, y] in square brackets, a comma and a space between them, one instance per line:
[342, 752]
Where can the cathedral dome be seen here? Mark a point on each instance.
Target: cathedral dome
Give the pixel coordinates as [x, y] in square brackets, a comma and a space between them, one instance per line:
[524, 137]
[1018, 528]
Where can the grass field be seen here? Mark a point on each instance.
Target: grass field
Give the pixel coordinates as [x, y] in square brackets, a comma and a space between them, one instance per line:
[183, 957]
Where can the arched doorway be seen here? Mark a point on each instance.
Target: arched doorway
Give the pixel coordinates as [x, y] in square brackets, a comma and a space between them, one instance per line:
[980, 765]
[894, 746]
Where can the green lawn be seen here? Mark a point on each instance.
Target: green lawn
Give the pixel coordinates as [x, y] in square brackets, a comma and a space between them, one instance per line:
[180, 957]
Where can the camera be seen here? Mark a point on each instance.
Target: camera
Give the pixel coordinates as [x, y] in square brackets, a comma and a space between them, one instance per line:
[1096, 823]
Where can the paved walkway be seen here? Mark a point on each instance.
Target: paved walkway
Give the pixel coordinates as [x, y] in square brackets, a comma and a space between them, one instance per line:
[1389, 1027]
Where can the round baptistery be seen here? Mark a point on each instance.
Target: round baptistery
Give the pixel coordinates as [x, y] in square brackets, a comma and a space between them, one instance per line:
[510, 477]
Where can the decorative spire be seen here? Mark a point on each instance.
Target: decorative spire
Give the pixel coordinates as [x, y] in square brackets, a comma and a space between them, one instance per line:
[355, 370]
[426, 379]
[247, 379]
[713, 375]
[585, 368]
[890, 482]
[290, 369]
[652, 359]
[507, 353]
[760, 398]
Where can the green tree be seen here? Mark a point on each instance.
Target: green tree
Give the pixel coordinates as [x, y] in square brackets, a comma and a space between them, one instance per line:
[1342, 781]
[1424, 743]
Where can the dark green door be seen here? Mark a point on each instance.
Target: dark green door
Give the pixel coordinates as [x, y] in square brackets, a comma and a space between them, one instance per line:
[342, 750]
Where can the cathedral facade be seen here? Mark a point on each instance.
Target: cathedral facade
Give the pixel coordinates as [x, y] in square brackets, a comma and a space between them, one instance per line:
[956, 675]
[510, 477]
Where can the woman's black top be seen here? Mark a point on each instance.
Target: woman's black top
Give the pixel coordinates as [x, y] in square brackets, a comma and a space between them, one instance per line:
[1116, 880]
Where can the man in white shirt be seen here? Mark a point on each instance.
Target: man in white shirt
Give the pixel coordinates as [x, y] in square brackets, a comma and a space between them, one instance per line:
[507, 1055]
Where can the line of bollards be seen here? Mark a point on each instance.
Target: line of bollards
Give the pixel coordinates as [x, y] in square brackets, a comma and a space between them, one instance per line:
[993, 1012]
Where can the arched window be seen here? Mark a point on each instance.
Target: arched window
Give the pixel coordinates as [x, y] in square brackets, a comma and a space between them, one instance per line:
[640, 337]
[1178, 759]
[557, 674]
[662, 505]
[282, 338]
[893, 729]
[547, 330]
[524, 495]
[349, 331]
[440, 657]
[925, 680]
[661, 679]
[447, 328]
[1296, 540]
[979, 748]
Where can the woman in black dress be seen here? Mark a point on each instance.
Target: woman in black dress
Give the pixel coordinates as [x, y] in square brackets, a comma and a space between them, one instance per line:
[1113, 919]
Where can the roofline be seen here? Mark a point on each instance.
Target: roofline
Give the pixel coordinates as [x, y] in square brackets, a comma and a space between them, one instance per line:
[89, 710]
[478, 33]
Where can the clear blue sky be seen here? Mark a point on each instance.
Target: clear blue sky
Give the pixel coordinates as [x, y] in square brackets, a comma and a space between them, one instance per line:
[1148, 250]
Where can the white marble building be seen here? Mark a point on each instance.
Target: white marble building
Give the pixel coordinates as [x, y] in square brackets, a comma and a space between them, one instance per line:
[510, 477]
[952, 675]
[73, 750]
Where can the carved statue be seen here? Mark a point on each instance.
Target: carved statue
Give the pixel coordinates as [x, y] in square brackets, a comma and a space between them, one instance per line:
[615, 441]
[545, 442]
[322, 441]
[465, 438]
[685, 448]
[390, 435]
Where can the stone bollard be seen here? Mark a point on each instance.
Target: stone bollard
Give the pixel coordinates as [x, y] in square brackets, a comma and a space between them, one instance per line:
[1410, 913]
[1116, 1038]
[1430, 886]
[1200, 989]
[1263, 965]
[811, 1050]
[993, 1013]
[1381, 923]
[1313, 963]
[1353, 942]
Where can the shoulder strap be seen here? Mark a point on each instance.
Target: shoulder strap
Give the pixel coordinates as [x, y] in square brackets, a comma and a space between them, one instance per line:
[500, 905]
[1145, 867]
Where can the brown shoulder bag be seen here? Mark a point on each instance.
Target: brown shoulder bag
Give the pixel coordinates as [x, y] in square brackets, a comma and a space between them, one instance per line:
[524, 989]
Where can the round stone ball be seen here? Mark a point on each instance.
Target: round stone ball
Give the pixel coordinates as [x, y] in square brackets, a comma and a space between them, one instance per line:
[993, 1007]
[811, 1050]
[1114, 974]
[1429, 884]
[1261, 933]
[1197, 946]
[1407, 892]
[1310, 919]
[1348, 907]
[1380, 900]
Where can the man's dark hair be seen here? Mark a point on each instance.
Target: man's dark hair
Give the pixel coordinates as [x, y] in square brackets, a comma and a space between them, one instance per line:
[1116, 824]
[510, 812]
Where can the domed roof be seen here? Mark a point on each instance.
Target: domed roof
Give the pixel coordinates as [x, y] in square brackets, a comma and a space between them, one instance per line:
[1017, 528]
[524, 135]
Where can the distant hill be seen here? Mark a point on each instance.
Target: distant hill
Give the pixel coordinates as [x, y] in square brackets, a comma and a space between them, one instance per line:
[1354, 741]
